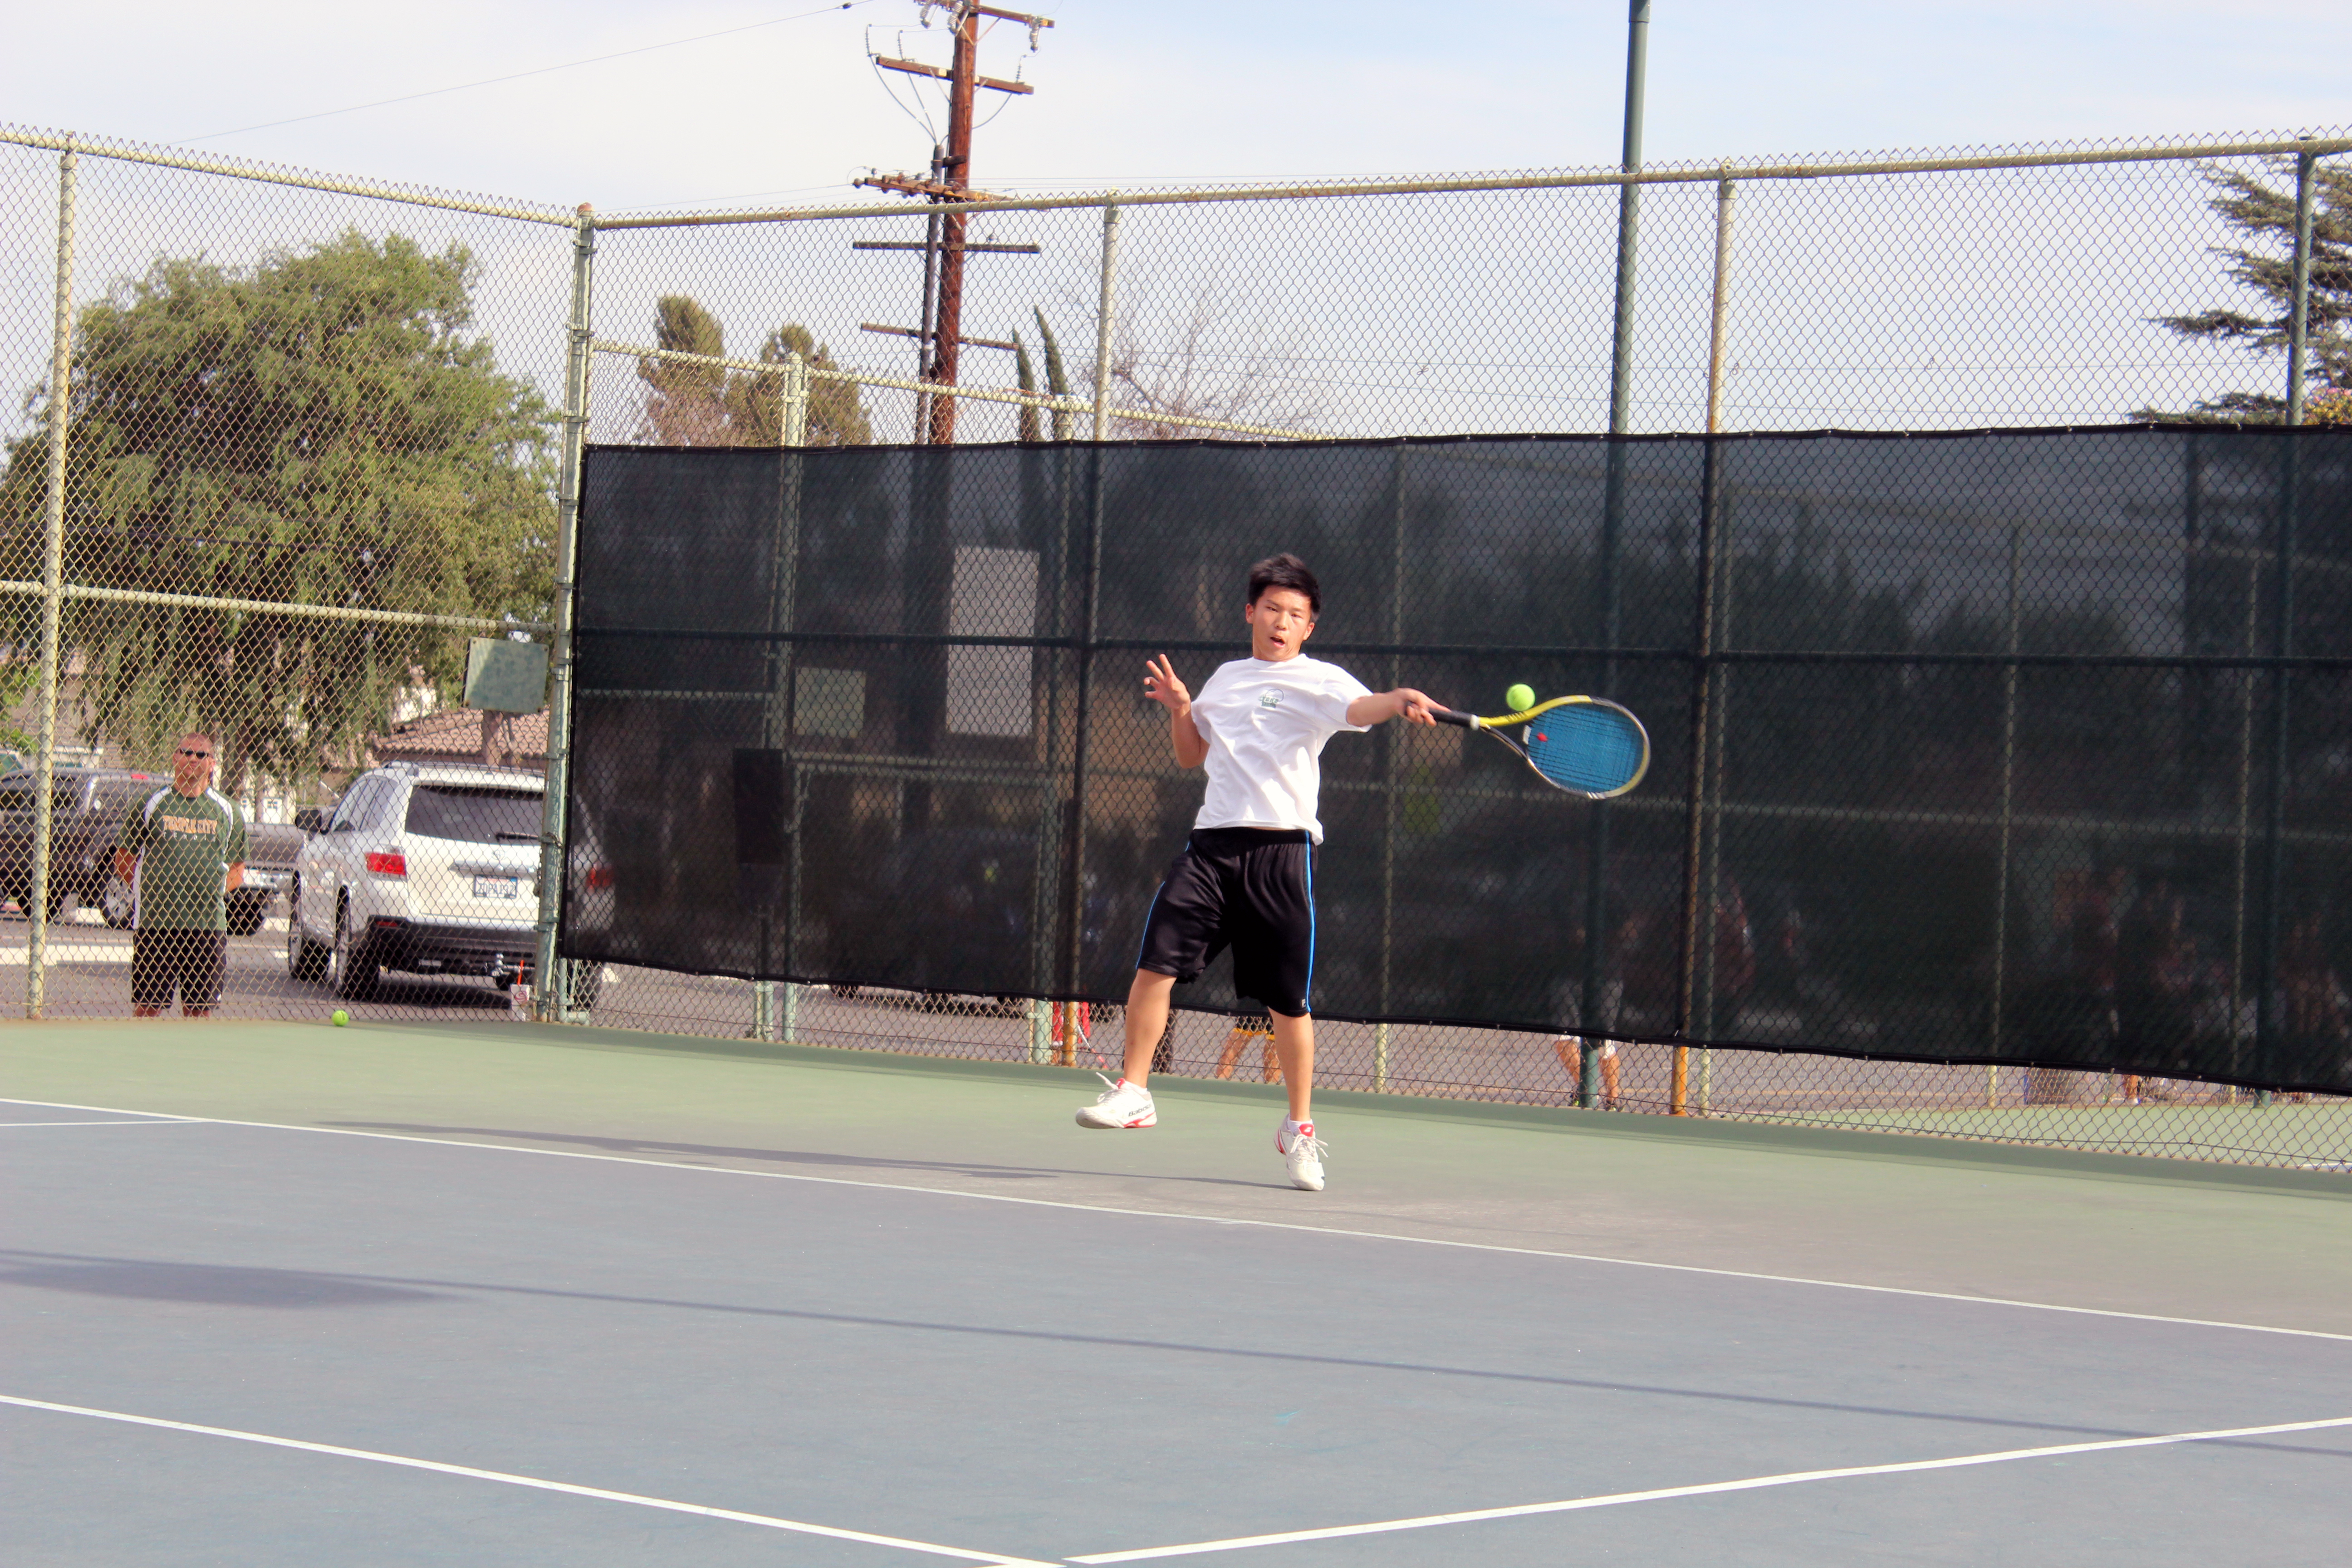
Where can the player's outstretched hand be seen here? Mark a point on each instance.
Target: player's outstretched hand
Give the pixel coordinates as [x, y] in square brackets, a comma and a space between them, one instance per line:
[1160, 685]
[1417, 706]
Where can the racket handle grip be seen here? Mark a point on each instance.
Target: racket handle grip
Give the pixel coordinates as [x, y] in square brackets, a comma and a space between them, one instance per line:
[1448, 716]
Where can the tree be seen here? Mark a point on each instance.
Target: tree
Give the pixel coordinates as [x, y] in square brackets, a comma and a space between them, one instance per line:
[687, 404]
[1058, 380]
[2265, 215]
[1024, 375]
[1198, 374]
[19, 676]
[711, 405]
[318, 428]
[837, 414]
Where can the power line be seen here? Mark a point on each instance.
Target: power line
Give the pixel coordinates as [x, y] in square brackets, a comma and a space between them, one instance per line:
[539, 70]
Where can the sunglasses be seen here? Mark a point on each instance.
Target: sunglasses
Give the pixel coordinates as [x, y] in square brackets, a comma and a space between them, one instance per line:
[185, 753]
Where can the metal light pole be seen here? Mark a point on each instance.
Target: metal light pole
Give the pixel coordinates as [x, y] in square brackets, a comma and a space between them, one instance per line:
[1612, 522]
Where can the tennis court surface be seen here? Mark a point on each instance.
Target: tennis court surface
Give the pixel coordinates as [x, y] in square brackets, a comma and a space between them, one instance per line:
[286, 1294]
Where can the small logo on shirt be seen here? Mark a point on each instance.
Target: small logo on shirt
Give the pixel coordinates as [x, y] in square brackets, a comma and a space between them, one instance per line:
[201, 824]
[1269, 698]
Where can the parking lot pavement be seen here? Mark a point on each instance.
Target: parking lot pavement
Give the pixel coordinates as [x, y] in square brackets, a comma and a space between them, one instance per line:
[89, 975]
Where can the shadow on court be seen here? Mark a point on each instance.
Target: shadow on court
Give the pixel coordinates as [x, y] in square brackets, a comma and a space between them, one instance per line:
[201, 1284]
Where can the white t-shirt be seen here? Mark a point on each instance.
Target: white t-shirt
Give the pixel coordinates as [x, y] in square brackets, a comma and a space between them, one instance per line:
[1265, 722]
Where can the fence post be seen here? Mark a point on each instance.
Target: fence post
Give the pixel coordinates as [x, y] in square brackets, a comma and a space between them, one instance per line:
[1613, 524]
[2007, 812]
[53, 556]
[2266, 1018]
[1082, 737]
[1393, 739]
[1046, 956]
[1702, 662]
[774, 1004]
[2299, 286]
[1717, 345]
[1081, 718]
[1103, 314]
[551, 1003]
[796, 423]
[1695, 811]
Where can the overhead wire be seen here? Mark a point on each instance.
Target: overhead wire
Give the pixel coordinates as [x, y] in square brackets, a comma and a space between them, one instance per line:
[920, 116]
[1008, 97]
[536, 70]
[923, 117]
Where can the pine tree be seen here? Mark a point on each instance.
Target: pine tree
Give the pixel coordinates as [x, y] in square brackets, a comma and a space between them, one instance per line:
[1024, 375]
[2265, 215]
[1058, 380]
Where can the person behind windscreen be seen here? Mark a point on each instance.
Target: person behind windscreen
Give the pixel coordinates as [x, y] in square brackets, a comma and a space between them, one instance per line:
[181, 850]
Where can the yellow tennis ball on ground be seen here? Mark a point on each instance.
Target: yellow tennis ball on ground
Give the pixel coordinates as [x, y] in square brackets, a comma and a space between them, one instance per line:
[1519, 699]
[339, 1017]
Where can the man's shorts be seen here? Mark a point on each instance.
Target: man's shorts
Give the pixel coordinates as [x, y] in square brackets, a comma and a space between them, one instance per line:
[1249, 889]
[188, 962]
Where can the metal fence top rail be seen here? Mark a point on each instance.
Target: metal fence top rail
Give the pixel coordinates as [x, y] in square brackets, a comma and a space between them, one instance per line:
[2319, 142]
[2323, 142]
[88, 146]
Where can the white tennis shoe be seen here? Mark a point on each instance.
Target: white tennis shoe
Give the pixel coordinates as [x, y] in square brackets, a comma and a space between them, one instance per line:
[1302, 1152]
[1123, 1104]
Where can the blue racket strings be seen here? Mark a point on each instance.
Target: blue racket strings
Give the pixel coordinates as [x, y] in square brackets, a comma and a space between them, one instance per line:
[1590, 749]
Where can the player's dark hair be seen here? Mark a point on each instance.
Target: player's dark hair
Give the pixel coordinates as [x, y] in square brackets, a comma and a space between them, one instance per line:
[1286, 571]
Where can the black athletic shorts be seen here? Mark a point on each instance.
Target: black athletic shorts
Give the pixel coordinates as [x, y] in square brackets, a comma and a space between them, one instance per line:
[188, 962]
[1249, 889]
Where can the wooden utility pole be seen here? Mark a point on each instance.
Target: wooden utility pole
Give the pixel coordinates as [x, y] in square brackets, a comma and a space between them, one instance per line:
[947, 340]
[951, 182]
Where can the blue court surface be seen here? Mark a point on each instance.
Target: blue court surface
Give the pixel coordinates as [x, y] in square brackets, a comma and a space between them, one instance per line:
[280, 1294]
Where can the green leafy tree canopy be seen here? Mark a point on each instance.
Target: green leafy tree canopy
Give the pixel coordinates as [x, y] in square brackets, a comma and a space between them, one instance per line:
[321, 427]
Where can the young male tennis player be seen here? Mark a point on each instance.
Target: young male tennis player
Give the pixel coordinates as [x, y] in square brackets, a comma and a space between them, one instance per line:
[1246, 879]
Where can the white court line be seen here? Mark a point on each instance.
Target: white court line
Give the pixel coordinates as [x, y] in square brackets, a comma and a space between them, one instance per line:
[110, 1121]
[1232, 1220]
[1752, 1483]
[991, 1559]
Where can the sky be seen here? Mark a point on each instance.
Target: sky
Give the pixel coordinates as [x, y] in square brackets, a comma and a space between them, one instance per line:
[782, 111]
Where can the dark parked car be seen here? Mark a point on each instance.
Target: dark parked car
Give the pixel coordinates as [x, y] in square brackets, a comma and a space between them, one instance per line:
[86, 808]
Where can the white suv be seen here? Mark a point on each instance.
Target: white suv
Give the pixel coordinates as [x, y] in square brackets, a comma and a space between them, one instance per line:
[432, 869]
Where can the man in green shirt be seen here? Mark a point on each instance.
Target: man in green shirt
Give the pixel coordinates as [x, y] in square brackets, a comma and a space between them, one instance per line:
[181, 849]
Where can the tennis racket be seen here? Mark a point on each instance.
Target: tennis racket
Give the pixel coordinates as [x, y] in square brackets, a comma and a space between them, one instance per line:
[1585, 746]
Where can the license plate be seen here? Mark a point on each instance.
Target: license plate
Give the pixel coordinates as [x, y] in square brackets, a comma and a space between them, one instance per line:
[264, 878]
[497, 886]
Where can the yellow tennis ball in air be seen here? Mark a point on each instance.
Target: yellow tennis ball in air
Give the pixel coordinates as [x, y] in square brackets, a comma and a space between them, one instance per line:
[1519, 699]
[339, 1017]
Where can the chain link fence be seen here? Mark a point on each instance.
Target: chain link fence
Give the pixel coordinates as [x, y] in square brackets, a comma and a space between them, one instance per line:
[321, 437]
